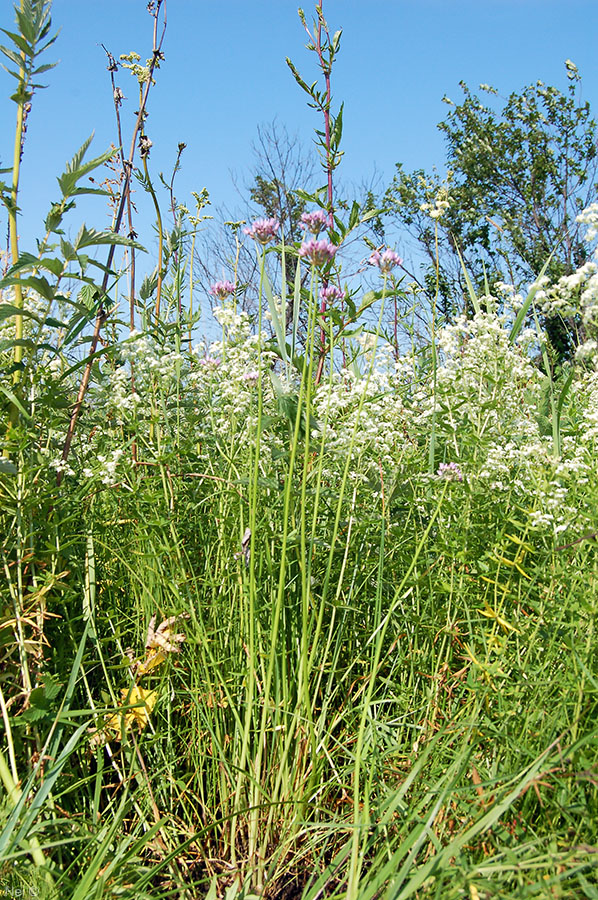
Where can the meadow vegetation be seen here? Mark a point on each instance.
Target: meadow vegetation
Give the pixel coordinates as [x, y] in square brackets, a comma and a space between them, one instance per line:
[306, 611]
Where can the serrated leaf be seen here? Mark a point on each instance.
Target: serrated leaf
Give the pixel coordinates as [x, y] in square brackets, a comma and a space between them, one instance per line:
[89, 237]
[27, 343]
[20, 41]
[40, 285]
[51, 687]
[76, 169]
[33, 714]
[52, 264]
[67, 249]
[148, 286]
[7, 311]
[11, 55]
[29, 261]
[44, 68]
[79, 191]
[28, 26]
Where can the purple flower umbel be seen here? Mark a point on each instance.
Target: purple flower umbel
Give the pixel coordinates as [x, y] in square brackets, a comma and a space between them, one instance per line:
[314, 221]
[317, 252]
[450, 472]
[386, 260]
[263, 230]
[331, 293]
[222, 289]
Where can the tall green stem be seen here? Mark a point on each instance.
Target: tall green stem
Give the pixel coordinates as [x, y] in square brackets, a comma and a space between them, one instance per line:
[12, 226]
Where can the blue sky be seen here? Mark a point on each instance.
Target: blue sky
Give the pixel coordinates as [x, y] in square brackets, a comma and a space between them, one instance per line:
[225, 73]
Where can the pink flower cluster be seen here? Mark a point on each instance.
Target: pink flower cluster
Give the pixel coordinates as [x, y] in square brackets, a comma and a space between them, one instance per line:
[222, 289]
[209, 362]
[386, 260]
[317, 252]
[263, 230]
[314, 221]
[450, 472]
[331, 293]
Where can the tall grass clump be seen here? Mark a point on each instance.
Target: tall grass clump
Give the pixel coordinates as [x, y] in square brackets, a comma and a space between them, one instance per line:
[297, 612]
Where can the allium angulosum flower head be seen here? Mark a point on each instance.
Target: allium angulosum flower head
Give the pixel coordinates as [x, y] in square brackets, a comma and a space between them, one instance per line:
[386, 260]
[263, 230]
[222, 289]
[331, 293]
[450, 472]
[317, 252]
[314, 221]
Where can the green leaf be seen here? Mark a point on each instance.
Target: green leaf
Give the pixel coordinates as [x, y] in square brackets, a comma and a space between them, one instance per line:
[89, 237]
[44, 68]
[299, 79]
[76, 169]
[31, 262]
[7, 311]
[27, 343]
[25, 261]
[12, 56]
[39, 285]
[518, 323]
[470, 288]
[278, 324]
[68, 251]
[52, 264]
[338, 127]
[80, 191]
[20, 41]
[7, 467]
[15, 402]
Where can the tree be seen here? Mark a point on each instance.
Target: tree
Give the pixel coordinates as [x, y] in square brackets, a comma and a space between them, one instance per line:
[517, 178]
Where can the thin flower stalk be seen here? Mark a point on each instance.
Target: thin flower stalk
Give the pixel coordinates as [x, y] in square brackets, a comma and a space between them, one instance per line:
[102, 314]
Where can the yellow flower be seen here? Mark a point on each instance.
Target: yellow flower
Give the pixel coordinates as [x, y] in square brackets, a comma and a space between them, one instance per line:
[137, 706]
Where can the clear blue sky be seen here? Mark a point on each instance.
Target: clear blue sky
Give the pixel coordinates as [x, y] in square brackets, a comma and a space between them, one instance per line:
[225, 73]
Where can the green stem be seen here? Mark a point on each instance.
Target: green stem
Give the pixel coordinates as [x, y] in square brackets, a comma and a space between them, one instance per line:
[432, 448]
[14, 794]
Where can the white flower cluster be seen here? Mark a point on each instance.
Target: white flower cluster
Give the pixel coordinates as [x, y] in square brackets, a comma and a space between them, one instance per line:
[437, 209]
[361, 413]
[485, 384]
[144, 369]
[225, 375]
[577, 294]
[104, 466]
[484, 400]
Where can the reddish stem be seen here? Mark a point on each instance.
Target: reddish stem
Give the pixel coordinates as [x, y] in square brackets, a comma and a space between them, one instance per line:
[326, 110]
[102, 315]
